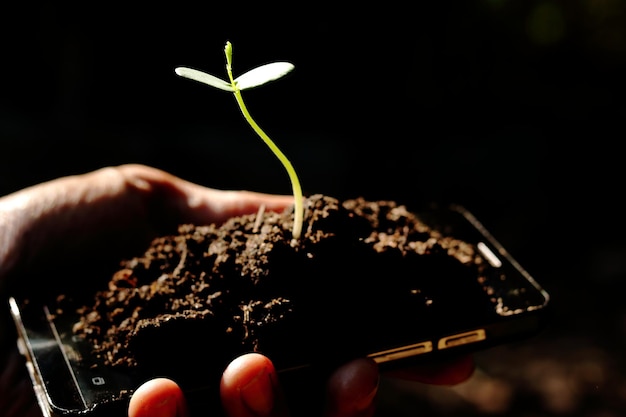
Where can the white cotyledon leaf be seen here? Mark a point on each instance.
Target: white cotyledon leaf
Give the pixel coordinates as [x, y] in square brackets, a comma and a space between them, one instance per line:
[263, 74]
[204, 78]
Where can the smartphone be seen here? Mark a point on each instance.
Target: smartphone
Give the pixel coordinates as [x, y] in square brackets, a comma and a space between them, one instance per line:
[66, 385]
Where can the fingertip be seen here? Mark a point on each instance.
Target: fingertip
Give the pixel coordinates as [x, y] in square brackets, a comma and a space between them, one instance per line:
[159, 397]
[249, 387]
[352, 389]
[243, 368]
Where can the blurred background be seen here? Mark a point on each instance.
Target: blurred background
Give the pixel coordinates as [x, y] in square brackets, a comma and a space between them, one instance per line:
[514, 109]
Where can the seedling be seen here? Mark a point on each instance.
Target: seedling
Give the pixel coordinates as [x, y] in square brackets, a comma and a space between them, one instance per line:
[254, 78]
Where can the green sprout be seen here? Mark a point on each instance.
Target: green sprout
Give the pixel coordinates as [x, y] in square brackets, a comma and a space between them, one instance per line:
[254, 78]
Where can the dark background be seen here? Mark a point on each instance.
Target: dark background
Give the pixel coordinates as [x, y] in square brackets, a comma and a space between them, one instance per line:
[514, 109]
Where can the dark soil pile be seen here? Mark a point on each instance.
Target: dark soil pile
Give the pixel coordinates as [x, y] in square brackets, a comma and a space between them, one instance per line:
[218, 291]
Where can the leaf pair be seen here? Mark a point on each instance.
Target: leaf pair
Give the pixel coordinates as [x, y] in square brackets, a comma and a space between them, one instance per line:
[253, 78]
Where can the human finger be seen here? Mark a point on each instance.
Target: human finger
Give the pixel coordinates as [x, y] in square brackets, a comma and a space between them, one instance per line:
[159, 397]
[192, 202]
[352, 388]
[249, 388]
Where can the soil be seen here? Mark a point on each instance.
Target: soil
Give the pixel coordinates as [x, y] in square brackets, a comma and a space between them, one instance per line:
[218, 291]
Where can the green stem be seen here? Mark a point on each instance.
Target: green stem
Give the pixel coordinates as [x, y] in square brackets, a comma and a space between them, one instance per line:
[295, 183]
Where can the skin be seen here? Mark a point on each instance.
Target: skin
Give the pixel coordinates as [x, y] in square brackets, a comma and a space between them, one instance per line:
[89, 211]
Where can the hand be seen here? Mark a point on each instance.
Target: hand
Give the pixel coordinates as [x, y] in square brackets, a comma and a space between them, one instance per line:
[82, 215]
